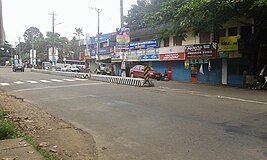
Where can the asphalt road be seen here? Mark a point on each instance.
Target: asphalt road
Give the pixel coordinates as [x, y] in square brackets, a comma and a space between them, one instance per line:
[172, 121]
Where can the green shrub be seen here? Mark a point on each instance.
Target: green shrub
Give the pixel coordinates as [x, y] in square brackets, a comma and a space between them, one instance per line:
[7, 129]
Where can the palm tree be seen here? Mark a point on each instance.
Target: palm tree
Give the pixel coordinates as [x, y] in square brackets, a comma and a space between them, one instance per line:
[79, 33]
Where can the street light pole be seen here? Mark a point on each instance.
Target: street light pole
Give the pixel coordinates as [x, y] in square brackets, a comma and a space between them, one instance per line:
[53, 37]
[19, 47]
[98, 31]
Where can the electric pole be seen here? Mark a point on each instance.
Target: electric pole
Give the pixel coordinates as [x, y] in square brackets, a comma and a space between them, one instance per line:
[53, 37]
[19, 47]
[98, 31]
[121, 13]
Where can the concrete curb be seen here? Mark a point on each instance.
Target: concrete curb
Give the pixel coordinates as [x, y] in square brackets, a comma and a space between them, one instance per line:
[59, 73]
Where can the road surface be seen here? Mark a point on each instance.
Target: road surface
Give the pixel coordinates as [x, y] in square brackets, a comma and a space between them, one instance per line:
[172, 121]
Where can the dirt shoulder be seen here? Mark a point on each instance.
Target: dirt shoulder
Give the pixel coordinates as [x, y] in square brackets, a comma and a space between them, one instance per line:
[56, 136]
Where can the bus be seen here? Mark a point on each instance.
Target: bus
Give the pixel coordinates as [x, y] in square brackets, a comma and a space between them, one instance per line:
[75, 62]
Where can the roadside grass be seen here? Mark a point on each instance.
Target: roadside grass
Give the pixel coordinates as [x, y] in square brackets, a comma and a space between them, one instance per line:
[8, 130]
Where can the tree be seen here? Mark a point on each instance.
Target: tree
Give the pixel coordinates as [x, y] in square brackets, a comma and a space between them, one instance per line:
[202, 15]
[134, 20]
[32, 35]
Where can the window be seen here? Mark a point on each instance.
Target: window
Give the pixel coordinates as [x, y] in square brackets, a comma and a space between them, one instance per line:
[218, 34]
[232, 31]
[204, 37]
[177, 41]
[166, 42]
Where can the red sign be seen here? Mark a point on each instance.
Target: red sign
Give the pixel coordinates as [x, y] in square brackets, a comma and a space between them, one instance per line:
[172, 56]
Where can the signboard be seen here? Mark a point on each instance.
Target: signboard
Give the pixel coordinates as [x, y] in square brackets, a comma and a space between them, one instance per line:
[123, 38]
[144, 44]
[175, 49]
[172, 56]
[102, 38]
[201, 51]
[228, 43]
[104, 57]
[106, 50]
[233, 54]
[149, 57]
[133, 58]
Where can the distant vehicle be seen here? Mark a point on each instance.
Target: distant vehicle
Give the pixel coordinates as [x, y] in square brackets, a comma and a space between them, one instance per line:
[103, 68]
[46, 65]
[73, 68]
[17, 67]
[70, 68]
[65, 68]
[138, 71]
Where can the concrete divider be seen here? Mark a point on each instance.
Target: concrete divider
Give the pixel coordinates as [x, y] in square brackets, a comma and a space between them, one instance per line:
[67, 74]
[119, 80]
[104, 78]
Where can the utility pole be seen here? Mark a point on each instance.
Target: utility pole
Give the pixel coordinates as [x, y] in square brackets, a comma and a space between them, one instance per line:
[121, 13]
[53, 37]
[98, 30]
[19, 47]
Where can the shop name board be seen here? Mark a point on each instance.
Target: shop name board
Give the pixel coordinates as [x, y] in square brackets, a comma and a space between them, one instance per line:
[144, 44]
[201, 51]
[102, 38]
[149, 57]
[172, 56]
[175, 49]
[228, 43]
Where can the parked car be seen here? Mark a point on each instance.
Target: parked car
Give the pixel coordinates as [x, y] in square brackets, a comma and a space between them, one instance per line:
[138, 71]
[18, 67]
[70, 68]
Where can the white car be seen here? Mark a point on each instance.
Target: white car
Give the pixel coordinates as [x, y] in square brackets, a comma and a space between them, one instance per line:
[65, 68]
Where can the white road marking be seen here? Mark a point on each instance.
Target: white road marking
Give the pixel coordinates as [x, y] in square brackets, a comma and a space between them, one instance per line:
[45, 81]
[33, 82]
[69, 80]
[196, 93]
[67, 98]
[4, 84]
[55, 87]
[56, 80]
[19, 82]
[79, 79]
[243, 100]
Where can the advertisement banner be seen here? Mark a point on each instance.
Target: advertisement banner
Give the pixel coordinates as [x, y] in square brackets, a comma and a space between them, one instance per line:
[228, 43]
[104, 57]
[133, 58]
[144, 44]
[175, 49]
[172, 56]
[201, 51]
[106, 50]
[123, 38]
[149, 57]
[102, 38]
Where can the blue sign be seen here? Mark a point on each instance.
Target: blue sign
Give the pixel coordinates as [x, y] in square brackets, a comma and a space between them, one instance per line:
[144, 44]
[149, 57]
[104, 50]
[102, 38]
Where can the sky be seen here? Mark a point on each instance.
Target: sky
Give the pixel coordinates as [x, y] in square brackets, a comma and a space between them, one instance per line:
[19, 15]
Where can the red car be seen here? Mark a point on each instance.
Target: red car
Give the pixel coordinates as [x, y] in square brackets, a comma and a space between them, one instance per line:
[138, 71]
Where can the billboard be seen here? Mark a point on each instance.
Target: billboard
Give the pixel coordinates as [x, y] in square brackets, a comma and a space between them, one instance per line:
[228, 43]
[201, 51]
[123, 38]
[144, 44]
